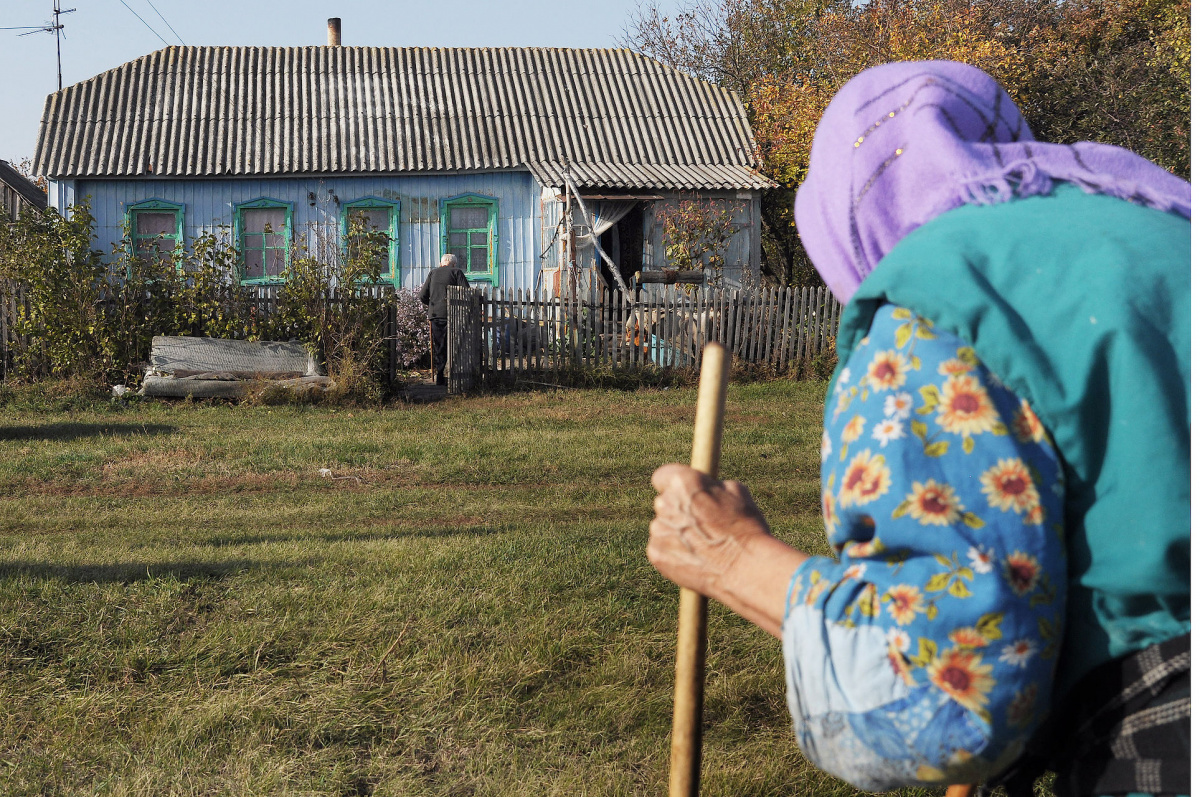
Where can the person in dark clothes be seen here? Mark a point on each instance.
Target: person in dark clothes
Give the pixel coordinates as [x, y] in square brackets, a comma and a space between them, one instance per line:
[433, 295]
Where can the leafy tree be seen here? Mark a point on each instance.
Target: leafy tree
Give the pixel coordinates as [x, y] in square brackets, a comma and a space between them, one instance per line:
[1115, 71]
[63, 282]
[696, 233]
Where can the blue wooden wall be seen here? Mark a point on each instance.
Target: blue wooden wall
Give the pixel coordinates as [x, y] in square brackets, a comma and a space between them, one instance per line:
[208, 205]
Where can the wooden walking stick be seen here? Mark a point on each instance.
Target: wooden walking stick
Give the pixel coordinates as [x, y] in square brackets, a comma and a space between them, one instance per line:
[693, 607]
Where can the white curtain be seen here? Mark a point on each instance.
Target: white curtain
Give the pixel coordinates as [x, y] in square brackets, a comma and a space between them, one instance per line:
[603, 213]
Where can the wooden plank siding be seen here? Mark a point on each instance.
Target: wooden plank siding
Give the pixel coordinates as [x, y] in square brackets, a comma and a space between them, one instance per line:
[208, 206]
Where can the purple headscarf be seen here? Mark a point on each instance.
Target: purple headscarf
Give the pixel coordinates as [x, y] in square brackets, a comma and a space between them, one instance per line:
[904, 142]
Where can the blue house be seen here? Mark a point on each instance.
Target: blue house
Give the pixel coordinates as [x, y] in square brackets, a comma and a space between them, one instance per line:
[477, 152]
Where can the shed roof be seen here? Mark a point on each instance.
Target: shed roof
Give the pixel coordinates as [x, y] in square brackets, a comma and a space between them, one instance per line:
[22, 185]
[618, 119]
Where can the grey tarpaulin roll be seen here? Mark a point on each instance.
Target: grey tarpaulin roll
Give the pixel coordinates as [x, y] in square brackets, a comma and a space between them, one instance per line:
[214, 367]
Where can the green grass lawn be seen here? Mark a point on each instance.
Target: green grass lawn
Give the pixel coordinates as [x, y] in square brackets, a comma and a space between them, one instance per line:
[187, 606]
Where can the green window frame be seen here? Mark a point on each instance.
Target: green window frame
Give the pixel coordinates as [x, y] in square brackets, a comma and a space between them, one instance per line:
[263, 251]
[372, 206]
[469, 231]
[156, 226]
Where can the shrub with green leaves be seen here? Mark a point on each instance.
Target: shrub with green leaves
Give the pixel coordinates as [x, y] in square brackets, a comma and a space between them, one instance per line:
[209, 301]
[61, 325]
[85, 317]
[331, 302]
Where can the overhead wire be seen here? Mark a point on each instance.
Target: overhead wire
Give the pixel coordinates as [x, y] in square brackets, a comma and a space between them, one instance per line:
[144, 22]
[168, 24]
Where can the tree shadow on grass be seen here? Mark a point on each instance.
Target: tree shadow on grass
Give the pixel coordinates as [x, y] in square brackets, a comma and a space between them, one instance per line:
[76, 431]
[130, 572]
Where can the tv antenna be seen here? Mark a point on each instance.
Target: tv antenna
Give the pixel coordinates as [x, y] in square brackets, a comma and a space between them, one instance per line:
[56, 28]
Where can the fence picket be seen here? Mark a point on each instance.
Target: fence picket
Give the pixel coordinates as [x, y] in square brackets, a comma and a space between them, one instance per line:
[768, 324]
[526, 337]
[537, 320]
[826, 318]
[743, 317]
[755, 327]
[781, 344]
[786, 328]
[634, 333]
[795, 330]
[531, 329]
[729, 302]
[772, 328]
[752, 327]
[806, 310]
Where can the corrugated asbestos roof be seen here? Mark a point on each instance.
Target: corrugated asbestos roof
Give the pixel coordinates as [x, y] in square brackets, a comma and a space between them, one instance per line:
[619, 119]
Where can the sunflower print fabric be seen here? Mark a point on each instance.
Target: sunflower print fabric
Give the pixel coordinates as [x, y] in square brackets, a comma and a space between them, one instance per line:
[923, 653]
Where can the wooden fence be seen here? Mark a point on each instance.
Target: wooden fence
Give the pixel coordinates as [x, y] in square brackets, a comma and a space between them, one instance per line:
[506, 334]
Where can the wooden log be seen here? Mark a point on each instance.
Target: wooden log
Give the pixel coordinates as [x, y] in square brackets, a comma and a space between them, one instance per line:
[669, 277]
[693, 607]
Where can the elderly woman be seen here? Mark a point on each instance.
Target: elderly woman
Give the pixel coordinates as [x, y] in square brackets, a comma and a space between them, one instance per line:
[1005, 463]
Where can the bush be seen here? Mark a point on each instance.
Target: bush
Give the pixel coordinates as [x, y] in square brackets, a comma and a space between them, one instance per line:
[412, 330]
[332, 303]
[208, 300]
[86, 319]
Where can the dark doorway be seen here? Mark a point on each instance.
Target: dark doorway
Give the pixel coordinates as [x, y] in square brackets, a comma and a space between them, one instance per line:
[623, 243]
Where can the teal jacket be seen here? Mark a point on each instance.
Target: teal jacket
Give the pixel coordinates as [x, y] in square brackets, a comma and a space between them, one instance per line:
[1081, 304]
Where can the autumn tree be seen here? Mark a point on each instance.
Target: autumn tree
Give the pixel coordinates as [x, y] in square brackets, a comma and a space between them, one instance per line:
[1115, 71]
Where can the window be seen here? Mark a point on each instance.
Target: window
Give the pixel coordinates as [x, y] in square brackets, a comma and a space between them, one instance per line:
[378, 220]
[264, 233]
[157, 228]
[469, 233]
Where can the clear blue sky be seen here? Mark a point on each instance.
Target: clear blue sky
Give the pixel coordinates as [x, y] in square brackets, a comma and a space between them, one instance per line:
[102, 34]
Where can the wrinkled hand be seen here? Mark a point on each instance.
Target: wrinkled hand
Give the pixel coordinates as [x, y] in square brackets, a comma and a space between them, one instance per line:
[702, 527]
[709, 536]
